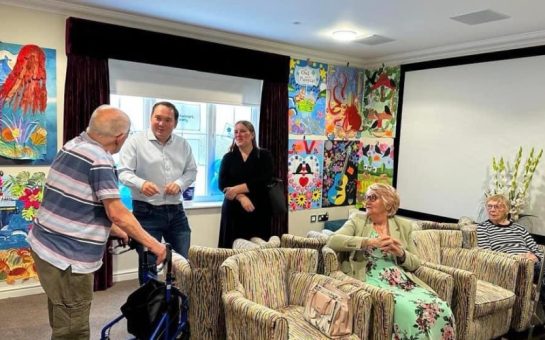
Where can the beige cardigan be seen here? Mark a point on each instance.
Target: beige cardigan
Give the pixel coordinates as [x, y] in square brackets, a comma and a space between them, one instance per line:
[354, 235]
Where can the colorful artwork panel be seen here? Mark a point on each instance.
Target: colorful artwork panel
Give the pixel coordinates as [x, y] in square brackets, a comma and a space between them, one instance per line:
[305, 161]
[340, 172]
[380, 101]
[306, 97]
[28, 105]
[376, 165]
[344, 113]
[21, 197]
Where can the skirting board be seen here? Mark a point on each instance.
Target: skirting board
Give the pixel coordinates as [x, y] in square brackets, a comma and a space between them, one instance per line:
[33, 286]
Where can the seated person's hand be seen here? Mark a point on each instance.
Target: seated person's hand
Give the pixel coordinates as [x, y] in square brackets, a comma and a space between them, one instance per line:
[530, 256]
[390, 245]
[172, 189]
[149, 188]
[245, 202]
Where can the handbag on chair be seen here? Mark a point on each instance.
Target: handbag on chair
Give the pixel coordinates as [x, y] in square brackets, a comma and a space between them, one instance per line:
[329, 310]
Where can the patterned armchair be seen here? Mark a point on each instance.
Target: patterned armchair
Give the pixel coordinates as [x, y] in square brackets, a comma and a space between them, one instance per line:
[264, 293]
[467, 226]
[317, 243]
[199, 280]
[525, 290]
[484, 284]
[382, 311]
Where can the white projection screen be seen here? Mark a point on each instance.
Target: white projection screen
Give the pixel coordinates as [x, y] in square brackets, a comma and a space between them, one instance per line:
[454, 119]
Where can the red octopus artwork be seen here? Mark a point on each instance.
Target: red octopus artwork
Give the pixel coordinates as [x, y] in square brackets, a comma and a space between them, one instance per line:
[345, 110]
[25, 87]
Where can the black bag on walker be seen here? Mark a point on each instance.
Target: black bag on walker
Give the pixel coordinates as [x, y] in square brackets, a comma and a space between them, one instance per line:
[145, 307]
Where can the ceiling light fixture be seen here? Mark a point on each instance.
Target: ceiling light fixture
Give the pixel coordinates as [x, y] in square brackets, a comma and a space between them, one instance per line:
[344, 35]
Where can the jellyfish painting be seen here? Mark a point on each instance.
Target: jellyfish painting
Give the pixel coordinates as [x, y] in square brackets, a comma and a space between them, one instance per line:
[25, 88]
[23, 101]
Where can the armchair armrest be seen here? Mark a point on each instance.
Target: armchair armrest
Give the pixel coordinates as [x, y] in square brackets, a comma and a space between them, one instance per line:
[464, 295]
[442, 283]
[246, 319]
[182, 272]
[331, 263]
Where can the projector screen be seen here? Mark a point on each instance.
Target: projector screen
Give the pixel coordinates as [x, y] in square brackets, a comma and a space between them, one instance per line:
[454, 119]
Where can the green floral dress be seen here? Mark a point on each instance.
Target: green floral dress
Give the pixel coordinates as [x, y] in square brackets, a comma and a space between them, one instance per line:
[418, 314]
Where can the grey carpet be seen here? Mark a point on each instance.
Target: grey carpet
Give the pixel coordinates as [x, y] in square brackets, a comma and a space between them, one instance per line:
[25, 317]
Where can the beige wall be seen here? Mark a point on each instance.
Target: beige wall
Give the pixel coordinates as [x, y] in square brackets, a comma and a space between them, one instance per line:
[24, 26]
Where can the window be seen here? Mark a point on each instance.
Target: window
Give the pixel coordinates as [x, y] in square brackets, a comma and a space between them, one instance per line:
[209, 105]
[208, 128]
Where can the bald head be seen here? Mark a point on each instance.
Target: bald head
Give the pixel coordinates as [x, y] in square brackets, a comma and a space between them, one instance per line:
[108, 121]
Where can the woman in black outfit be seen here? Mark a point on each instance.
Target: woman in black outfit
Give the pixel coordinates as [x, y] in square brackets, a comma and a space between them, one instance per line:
[244, 174]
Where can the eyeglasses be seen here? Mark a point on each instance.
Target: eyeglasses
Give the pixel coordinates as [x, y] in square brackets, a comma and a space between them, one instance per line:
[494, 206]
[371, 198]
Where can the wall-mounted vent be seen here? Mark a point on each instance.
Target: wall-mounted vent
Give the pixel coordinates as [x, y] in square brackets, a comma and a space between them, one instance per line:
[480, 17]
[374, 40]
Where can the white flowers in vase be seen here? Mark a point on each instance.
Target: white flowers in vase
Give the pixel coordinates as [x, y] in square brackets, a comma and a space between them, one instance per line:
[513, 182]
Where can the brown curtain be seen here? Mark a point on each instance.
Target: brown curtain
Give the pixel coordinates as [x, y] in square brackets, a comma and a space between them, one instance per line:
[87, 86]
[273, 135]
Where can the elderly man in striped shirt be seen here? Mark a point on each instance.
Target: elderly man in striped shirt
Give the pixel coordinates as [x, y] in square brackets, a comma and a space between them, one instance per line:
[81, 201]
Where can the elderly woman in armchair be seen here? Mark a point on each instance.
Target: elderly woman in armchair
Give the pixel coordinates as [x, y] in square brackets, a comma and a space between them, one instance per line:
[383, 255]
[499, 233]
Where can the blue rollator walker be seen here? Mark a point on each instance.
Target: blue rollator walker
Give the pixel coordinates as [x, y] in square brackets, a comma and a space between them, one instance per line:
[156, 310]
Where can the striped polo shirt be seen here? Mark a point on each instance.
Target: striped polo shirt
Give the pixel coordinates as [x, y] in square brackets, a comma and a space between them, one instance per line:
[71, 227]
[510, 239]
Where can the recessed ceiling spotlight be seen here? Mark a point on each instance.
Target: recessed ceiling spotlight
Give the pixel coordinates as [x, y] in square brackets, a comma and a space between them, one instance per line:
[344, 35]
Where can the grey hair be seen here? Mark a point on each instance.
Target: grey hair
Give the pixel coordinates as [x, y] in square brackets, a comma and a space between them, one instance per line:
[108, 121]
[502, 199]
[389, 196]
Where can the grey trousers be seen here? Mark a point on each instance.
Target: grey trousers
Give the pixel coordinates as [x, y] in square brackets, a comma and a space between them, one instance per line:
[69, 297]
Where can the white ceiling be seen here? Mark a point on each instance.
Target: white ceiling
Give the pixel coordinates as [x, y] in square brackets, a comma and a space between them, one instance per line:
[422, 29]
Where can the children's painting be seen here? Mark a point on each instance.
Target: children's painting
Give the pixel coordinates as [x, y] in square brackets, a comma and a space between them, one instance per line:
[340, 172]
[20, 198]
[380, 101]
[344, 114]
[305, 159]
[306, 97]
[28, 105]
[376, 165]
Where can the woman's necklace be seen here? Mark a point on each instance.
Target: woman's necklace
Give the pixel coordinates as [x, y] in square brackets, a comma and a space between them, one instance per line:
[381, 228]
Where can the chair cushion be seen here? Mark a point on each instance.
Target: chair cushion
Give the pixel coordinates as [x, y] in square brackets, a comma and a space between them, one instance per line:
[299, 328]
[491, 298]
[334, 225]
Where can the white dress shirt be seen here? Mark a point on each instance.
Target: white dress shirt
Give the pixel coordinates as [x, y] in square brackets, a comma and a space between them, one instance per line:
[143, 158]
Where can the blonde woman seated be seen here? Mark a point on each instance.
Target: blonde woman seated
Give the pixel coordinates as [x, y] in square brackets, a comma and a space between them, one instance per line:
[383, 255]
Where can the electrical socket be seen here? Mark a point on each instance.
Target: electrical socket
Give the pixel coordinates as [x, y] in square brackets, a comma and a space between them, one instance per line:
[312, 218]
[323, 217]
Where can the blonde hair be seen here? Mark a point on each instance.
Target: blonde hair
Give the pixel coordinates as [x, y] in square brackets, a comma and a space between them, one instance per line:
[389, 196]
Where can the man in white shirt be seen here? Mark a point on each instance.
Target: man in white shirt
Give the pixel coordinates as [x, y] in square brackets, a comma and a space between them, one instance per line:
[158, 166]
